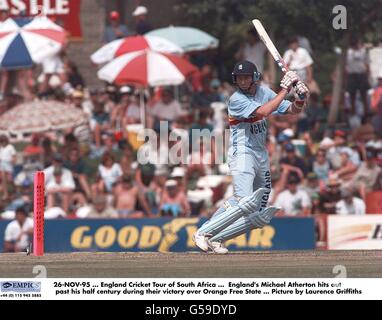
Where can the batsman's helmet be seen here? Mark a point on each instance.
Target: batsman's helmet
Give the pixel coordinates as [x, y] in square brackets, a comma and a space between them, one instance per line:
[245, 68]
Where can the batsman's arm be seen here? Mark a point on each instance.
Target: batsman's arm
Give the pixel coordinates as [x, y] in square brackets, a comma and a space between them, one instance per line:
[272, 105]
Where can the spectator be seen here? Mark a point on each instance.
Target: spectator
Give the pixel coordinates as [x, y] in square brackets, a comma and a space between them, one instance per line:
[78, 168]
[59, 188]
[350, 205]
[100, 210]
[53, 66]
[204, 98]
[376, 96]
[174, 202]
[179, 175]
[141, 24]
[367, 174]
[312, 185]
[201, 124]
[298, 59]
[109, 171]
[321, 166]
[293, 202]
[73, 76]
[293, 160]
[88, 105]
[108, 98]
[7, 161]
[81, 132]
[330, 197]
[317, 115]
[201, 160]
[347, 167]
[115, 30]
[144, 177]
[365, 132]
[127, 196]
[19, 232]
[33, 150]
[357, 68]
[99, 123]
[128, 108]
[127, 157]
[252, 50]
[167, 109]
[334, 152]
[48, 151]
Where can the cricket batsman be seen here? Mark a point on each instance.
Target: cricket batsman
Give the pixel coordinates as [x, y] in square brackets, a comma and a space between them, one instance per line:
[248, 160]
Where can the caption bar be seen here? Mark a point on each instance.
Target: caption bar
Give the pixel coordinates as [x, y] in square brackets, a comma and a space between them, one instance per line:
[175, 289]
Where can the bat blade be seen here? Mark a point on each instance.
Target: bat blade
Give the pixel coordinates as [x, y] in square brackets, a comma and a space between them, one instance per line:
[269, 44]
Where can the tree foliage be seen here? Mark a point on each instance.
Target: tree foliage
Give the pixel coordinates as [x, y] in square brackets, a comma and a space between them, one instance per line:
[228, 20]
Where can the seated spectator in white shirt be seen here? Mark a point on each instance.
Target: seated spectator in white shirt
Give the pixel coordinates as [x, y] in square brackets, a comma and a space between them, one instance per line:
[100, 210]
[350, 205]
[110, 172]
[60, 189]
[19, 232]
[298, 59]
[293, 202]
[57, 162]
[167, 109]
[7, 161]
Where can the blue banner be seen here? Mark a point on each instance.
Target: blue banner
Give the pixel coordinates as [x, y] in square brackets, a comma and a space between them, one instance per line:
[166, 235]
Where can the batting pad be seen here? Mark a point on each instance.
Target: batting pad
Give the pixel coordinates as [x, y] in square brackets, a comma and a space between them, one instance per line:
[244, 224]
[232, 202]
[221, 221]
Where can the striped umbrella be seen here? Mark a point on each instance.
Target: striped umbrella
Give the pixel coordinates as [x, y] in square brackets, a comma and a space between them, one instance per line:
[24, 43]
[147, 68]
[119, 47]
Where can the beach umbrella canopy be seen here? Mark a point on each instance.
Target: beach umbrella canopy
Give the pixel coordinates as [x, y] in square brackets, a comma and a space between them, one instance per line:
[147, 68]
[189, 39]
[41, 116]
[23, 42]
[119, 47]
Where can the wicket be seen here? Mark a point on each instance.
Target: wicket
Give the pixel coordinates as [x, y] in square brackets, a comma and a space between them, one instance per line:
[38, 214]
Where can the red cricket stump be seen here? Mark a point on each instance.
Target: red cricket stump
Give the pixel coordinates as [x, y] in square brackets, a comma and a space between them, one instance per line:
[38, 214]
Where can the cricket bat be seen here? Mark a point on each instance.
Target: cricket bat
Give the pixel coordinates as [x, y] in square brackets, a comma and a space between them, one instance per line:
[270, 46]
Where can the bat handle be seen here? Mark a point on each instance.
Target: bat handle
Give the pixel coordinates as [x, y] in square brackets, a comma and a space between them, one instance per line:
[285, 69]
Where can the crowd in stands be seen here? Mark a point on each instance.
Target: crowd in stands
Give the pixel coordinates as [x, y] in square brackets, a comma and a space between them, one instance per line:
[93, 171]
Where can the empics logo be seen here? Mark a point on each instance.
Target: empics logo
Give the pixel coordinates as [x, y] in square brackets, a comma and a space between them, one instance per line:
[21, 286]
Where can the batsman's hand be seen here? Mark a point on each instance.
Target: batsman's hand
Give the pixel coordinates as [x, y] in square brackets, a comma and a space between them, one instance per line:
[289, 79]
[301, 96]
[301, 89]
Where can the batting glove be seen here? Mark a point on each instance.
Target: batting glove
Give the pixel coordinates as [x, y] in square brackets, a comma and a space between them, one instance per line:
[289, 79]
[301, 89]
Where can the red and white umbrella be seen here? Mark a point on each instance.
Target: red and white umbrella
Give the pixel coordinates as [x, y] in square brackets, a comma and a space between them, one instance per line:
[147, 68]
[119, 47]
[23, 44]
